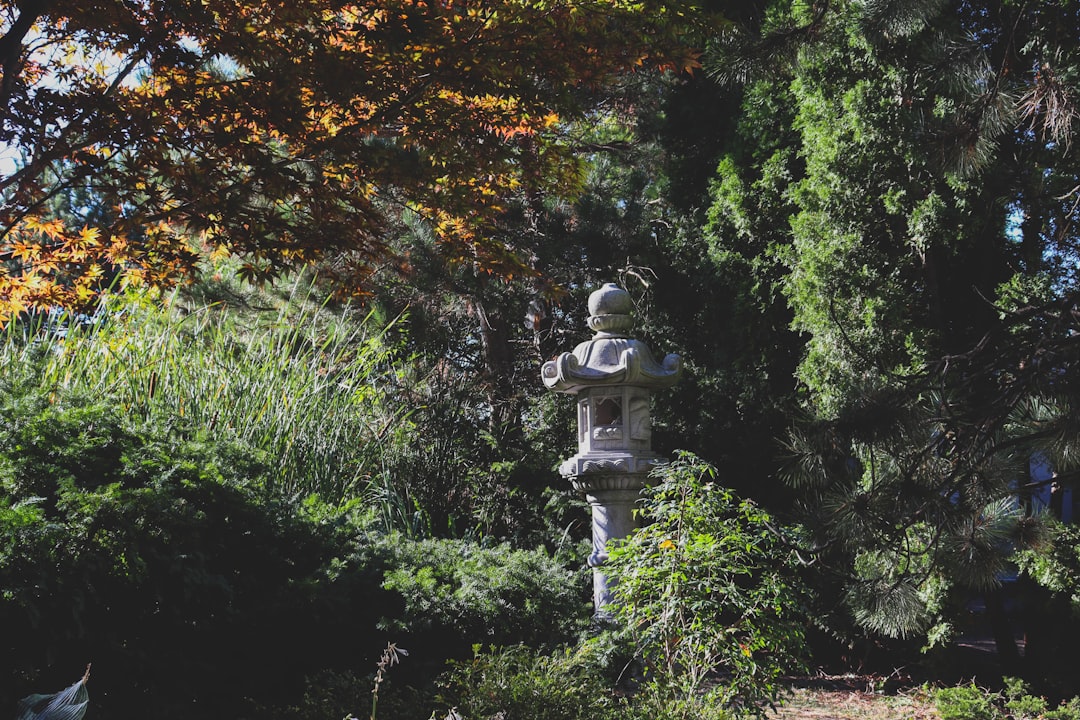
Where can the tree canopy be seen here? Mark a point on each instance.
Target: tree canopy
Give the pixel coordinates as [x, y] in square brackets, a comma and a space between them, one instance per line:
[904, 182]
[289, 131]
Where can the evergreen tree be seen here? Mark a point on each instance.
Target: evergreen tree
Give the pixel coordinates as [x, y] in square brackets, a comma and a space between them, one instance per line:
[905, 187]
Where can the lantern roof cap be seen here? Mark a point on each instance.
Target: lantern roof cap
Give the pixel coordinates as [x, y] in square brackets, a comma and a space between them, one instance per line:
[611, 357]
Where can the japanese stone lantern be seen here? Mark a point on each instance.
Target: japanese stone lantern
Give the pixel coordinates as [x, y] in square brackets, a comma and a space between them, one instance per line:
[613, 376]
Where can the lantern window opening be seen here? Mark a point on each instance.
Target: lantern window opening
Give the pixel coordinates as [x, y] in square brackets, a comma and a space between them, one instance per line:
[609, 411]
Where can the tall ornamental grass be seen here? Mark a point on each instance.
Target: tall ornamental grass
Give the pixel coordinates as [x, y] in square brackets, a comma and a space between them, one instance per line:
[306, 384]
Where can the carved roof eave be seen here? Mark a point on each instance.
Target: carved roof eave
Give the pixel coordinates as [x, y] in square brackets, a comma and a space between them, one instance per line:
[635, 367]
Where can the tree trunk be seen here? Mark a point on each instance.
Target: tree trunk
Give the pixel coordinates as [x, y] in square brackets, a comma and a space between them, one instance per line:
[1004, 640]
[498, 373]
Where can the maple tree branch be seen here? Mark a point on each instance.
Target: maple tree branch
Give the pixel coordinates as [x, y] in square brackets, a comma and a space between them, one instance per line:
[37, 166]
[12, 42]
[40, 202]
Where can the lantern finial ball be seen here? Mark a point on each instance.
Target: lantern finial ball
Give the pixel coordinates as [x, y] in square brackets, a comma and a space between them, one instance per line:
[610, 310]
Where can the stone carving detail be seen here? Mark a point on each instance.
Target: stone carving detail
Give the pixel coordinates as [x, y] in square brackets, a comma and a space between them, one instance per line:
[641, 425]
[607, 432]
[590, 484]
[611, 361]
[606, 465]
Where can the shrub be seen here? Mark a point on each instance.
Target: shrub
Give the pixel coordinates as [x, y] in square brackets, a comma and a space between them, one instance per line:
[1068, 710]
[1020, 703]
[166, 560]
[178, 504]
[456, 593]
[523, 684]
[1051, 611]
[516, 682]
[965, 702]
[654, 703]
[158, 558]
[706, 588]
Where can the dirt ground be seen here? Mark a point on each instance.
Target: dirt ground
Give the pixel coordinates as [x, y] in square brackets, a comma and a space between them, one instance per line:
[852, 697]
[898, 697]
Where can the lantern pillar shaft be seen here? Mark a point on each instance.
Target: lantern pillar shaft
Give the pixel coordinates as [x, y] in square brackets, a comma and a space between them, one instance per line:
[612, 519]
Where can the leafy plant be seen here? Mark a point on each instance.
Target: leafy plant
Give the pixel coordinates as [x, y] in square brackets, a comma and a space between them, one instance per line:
[1051, 605]
[68, 704]
[1020, 703]
[1057, 567]
[165, 560]
[289, 132]
[456, 593]
[567, 684]
[966, 702]
[516, 682]
[1016, 702]
[1067, 710]
[706, 588]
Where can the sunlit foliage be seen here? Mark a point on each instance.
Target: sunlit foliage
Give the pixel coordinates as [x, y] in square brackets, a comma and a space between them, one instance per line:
[284, 131]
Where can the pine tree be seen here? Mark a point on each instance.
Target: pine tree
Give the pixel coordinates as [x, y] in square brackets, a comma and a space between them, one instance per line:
[906, 187]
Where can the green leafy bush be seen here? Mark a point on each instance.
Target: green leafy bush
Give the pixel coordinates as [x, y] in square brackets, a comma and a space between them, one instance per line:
[1068, 710]
[569, 684]
[1015, 702]
[706, 587]
[965, 702]
[1020, 703]
[516, 682]
[1051, 611]
[457, 593]
[161, 559]
[167, 561]
[329, 393]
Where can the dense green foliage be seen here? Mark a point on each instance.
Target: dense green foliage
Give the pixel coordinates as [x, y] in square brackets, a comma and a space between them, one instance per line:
[302, 380]
[155, 557]
[1052, 625]
[706, 589]
[901, 180]
[458, 593]
[1014, 702]
[965, 702]
[568, 685]
[166, 552]
[517, 683]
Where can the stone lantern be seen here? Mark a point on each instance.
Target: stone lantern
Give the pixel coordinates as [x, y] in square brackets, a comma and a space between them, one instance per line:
[613, 376]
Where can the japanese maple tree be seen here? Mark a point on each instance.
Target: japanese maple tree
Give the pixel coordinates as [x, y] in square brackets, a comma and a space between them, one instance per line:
[286, 130]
